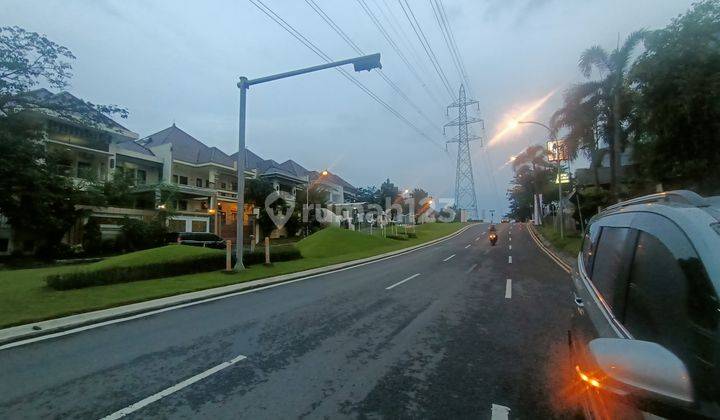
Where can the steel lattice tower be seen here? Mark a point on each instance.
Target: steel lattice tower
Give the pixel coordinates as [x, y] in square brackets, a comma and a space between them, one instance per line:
[465, 198]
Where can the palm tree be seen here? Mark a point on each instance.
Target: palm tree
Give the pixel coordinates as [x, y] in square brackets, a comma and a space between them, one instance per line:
[601, 109]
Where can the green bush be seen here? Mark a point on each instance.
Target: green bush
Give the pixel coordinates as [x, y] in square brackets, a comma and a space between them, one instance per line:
[411, 235]
[277, 253]
[124, 274]
[137, 234]
[92, 238]
[398, 237]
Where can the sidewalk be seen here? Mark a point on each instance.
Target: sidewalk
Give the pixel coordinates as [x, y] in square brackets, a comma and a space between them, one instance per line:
[35, 329]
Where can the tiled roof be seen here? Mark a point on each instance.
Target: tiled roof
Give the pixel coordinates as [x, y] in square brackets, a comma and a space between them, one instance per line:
[65, 106]
[135, 147]
[186, 147]
[335, 179]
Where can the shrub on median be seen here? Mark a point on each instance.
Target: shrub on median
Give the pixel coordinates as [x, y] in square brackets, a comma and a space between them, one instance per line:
[277, 253]
[124, 274]
[397, 237]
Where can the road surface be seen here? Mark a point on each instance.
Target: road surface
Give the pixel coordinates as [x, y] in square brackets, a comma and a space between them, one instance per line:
[460, 329]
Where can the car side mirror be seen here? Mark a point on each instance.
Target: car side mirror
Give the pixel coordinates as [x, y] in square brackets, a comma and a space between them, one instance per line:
[642, 371]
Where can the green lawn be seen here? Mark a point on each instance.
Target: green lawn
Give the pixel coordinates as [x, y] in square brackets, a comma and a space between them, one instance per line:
[570, 244]
[24, 297]
[166, 253]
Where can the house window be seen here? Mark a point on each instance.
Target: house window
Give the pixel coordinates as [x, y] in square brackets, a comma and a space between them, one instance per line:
[182, 205]
[198, 182]
[199, 226]
[4, 244]
[183, 180]
[84, 170]
[223, 186]
[141, 177]
[112, 163]
[207, 183]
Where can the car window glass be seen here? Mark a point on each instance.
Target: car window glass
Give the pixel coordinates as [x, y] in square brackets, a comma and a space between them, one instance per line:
[671, 301]
[611, 263]
[590, 246]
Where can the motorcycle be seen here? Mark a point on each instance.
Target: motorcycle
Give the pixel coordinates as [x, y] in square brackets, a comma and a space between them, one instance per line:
[493, 238]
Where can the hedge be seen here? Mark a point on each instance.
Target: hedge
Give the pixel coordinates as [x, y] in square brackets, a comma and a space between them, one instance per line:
[277, 253]
[124, 274]
[398, 237]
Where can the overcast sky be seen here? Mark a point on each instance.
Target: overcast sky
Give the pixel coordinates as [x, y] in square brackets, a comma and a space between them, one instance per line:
[178, 61]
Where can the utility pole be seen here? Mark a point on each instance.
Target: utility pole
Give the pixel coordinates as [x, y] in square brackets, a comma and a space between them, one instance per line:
[465, 198]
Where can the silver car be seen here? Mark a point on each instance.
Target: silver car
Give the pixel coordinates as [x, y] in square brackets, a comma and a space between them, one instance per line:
[644, 337]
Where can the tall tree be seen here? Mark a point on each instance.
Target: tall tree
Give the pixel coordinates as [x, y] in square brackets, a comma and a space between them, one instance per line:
[604, 104]
[37, 199]
[678, 80]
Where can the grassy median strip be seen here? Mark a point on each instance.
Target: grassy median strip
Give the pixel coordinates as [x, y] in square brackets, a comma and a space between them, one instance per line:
[570, 244]
[24, 296]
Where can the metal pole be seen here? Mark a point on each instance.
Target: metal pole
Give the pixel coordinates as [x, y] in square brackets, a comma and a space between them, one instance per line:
[242, 84]
[560, 206]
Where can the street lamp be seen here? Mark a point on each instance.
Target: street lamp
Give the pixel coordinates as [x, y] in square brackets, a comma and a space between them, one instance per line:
[557, 155]
[367, 62]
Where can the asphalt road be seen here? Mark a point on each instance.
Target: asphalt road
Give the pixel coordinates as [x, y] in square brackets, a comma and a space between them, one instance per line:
[457, 339]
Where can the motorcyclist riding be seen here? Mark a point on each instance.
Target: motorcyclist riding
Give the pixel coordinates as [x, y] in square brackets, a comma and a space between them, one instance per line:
[492, 235]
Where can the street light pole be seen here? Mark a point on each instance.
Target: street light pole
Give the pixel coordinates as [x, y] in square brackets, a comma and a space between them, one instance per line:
[366, 62]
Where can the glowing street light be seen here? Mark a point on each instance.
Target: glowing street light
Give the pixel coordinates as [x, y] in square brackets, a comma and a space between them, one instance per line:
[324, 172]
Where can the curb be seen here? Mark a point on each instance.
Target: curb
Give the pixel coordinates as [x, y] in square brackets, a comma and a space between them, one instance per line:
[563, 261]
[58, 325]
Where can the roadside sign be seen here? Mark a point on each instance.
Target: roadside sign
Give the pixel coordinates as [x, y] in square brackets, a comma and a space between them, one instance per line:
[557, 150]
[564, 178]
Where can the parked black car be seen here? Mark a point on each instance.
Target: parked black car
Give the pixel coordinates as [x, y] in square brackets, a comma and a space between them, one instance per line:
[204, 239]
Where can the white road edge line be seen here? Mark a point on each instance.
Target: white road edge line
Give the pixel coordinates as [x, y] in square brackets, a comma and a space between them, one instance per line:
[175, 388]
[467, 246]
[471, 269]
[508, 289]
[402, 281]
[499, 412]
[509, 259]
[214, 298]
[449, 258]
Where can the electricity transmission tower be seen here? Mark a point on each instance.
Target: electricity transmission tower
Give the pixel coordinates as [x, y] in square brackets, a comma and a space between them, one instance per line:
[465, 198]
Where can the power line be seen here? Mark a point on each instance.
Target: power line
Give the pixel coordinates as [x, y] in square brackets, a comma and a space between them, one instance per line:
[397, 28]
[305, 41]
[426, 45]
[443, 15]
[359, 50]
[446, 38]
[394, 46]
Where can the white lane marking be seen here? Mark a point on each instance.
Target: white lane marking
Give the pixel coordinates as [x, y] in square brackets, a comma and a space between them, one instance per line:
[510, 247]
[402, 281]
[449, 258]
[510, 239]
[467, 246]
[508, 289]
[477, 239]
[499, 412]
[220, 297]
[175, 388]
[483, 233]
[471, 268]
[509, 259]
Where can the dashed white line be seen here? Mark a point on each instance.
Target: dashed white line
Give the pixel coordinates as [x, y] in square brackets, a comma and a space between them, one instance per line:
[499, 412]
[510, 247]
[471, 268]
[477, 239]
[467, 246]
[402, 281]
[449, 258]
[171, 390]
[509, 259]
[508, 289]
